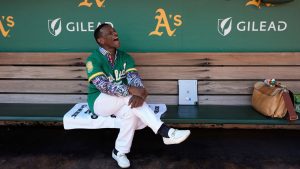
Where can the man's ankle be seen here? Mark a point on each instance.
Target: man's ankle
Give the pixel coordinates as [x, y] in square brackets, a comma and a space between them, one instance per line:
[164, 130]
[115, 151]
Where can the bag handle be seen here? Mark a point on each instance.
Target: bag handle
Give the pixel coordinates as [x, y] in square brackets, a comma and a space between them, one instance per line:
[289, 105]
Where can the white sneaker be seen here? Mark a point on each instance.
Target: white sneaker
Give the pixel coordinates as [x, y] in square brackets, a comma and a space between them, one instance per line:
[176, 136]
[121, 159]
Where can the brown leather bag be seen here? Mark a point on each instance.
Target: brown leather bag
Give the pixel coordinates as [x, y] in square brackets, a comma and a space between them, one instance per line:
[273, 101]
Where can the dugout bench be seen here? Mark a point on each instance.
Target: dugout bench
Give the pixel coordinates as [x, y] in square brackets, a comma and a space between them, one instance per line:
[42, 87]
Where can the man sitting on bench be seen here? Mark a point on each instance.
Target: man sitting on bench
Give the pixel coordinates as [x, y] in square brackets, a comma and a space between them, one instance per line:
[115, 88]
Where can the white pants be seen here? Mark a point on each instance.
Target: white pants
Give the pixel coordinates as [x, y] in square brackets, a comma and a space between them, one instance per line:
[132, 118]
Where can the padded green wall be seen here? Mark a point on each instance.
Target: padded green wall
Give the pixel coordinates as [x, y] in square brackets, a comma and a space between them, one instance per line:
[25, 23]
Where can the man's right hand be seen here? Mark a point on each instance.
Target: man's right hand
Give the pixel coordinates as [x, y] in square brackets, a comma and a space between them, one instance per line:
[135, 101]
[138, 91]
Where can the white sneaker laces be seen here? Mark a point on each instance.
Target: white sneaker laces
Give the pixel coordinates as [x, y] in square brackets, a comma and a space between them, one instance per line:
[173, 133]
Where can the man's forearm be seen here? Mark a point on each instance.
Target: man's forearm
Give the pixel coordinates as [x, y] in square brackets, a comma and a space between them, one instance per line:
[103, 84]
[136, 86]
[134, 79]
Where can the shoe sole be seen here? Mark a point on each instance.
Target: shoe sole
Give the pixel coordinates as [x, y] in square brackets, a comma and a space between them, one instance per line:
[115, 158]
[180, 140]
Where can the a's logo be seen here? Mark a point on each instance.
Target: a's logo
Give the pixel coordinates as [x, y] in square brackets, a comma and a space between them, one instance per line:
[224, 26]
[163, 22]
[6, 23]
[257, 3]
[267, 3]
[57, 26]
[54, 26]
[100, 3]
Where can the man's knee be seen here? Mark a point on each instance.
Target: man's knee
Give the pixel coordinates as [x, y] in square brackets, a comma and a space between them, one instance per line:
[126, 113]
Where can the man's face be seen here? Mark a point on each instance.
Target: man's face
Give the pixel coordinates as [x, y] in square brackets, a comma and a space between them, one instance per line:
[109, 37]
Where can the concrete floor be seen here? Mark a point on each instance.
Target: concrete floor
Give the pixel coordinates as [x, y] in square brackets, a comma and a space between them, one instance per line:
[55, 148]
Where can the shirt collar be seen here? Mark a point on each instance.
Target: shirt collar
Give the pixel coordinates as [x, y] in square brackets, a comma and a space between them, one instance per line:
[106, 53]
